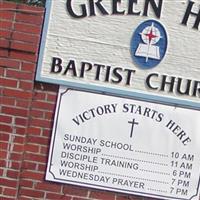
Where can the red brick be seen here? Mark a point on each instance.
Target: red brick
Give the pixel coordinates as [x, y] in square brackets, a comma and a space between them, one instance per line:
[19, 139]
[17, 93]
[2, 71]
[72, 190]
[39, 95]
[8, 15]
[127, 197]
[35, 157]
[31, 193]
[44, 150]
[38, 140]
[43, 105]
[5, 128]
[26, 37]
[24, 198]
[41, 123]
[26, 183]
[7, 100]
[15, 111]
[21, 121]
[46, 132]
[28, 18]
[3, 154]
[4, 137]
[141, 198]
[46, 87]
[4, 43]
[37, 113]
[33, 131]
[4, 62]
[20, 130]
[29, 67]
[23, 56]
[29, 165]
[42, 168]
[18, 148]
[6, 24]
[31, 148]
[1, 174]
[102, 195]
[5, 34]
[3, 53]
[8, 82]
[8, 182]
[12, 174]
[49, 115]
[52, 97]
[5, 119]
[30, 9]
[15, 165]
[54, 196]
[32, 175]
[10, 192]
[15, 156]
[2, 163]
[7, 198]
[7, 5]
[26, 85]
[27, 28]
[48, 187]
[3, 146]
[19, 74]
[23, 46]
[23, 103]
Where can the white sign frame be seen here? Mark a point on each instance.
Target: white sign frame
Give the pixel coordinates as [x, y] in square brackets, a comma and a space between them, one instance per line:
[62, 123]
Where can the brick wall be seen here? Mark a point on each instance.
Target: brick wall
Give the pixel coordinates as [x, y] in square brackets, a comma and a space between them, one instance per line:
[26, 114]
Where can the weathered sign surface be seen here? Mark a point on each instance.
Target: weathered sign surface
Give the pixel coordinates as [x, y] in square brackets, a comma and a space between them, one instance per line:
[147, 49]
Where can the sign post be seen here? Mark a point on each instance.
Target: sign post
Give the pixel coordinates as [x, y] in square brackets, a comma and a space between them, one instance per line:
[124, 145]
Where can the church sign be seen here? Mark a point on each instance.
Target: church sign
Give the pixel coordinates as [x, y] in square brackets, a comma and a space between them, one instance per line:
[125, 145]
[147, 49]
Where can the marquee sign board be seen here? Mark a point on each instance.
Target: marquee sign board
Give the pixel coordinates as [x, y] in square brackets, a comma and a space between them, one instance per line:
[147, 49]
[125, 145]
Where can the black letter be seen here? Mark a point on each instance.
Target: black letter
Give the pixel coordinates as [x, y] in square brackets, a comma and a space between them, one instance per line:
[56, 66]
[117, 75]
[130, 8]
[148, 81]
[128, 80]
[157, 9]
[71, 66]
[188, 12]
[115, 11]
[99, 6]
[72, 13]
[83, 65]
[187, 87]
[107, 73]
[196, 89]
[170, 83]
[98, 72]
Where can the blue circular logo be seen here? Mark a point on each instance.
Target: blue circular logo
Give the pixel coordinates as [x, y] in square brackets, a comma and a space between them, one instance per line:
[149, 44]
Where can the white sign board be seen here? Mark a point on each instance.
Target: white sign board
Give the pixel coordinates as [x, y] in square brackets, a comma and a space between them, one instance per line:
[124, 145]
[147, 49]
